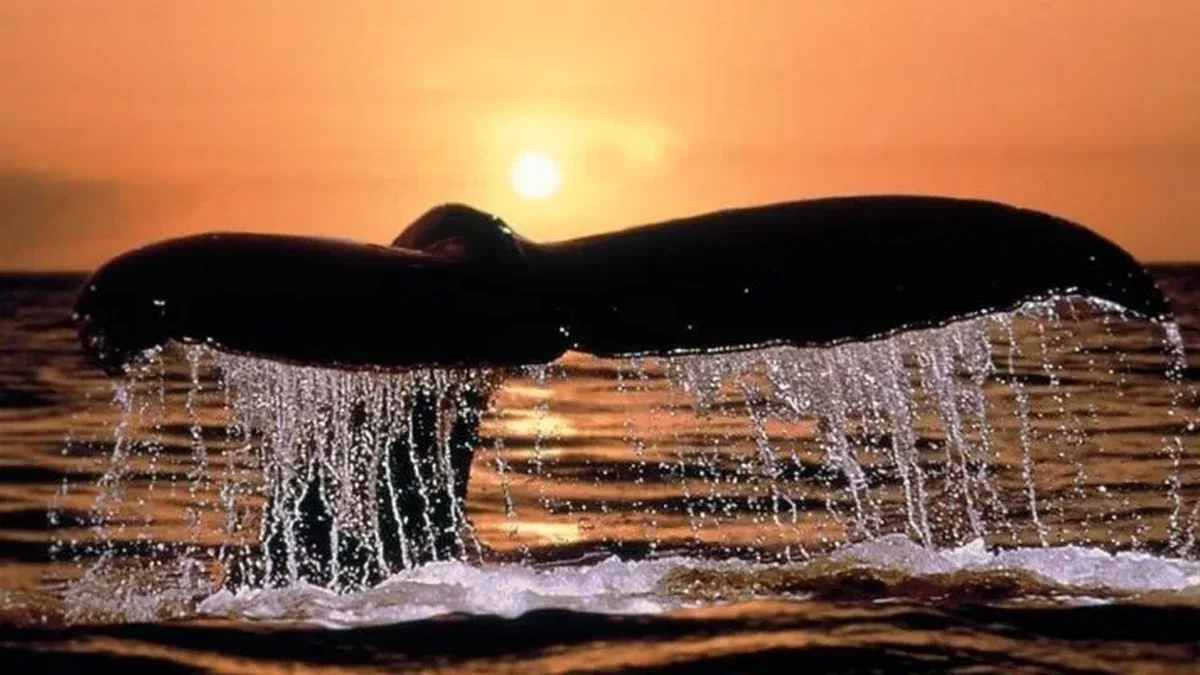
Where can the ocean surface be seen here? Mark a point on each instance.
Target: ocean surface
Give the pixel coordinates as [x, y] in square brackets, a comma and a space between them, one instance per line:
[1032, 506]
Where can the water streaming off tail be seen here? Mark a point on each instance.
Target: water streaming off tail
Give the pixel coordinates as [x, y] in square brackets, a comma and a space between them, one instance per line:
[987, 429]
[363, 473]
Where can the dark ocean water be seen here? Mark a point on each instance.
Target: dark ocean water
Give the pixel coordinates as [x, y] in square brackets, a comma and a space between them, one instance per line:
[619, 528]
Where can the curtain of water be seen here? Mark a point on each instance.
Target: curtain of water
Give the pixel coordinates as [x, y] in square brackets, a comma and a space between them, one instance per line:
[947, 434]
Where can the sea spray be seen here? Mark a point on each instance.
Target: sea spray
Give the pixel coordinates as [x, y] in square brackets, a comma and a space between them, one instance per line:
[364, 472]
[948, 435]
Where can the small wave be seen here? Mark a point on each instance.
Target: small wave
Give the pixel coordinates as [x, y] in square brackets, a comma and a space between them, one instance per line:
[611, 586]
[1075, 567]
[895, 567]
[889, 567]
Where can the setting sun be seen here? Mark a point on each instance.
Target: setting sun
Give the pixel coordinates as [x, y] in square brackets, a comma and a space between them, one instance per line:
[535, 175]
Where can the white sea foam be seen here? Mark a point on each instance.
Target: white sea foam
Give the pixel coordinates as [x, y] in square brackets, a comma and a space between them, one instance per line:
[620, 587]
[612, 586]
[1077, 568]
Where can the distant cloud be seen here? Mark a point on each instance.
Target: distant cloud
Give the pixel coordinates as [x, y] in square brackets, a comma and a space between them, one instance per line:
[55, 222]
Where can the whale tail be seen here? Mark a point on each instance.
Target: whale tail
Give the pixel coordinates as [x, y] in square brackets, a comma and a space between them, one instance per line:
[460, 288]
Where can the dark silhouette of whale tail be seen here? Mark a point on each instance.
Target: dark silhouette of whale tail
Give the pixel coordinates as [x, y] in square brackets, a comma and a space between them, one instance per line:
[460, 288]
[451, 300]
[827, 271]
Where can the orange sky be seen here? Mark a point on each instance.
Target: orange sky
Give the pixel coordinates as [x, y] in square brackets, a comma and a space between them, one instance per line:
[122, 121]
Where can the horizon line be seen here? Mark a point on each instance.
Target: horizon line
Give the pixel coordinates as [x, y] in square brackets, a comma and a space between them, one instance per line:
[50, 272]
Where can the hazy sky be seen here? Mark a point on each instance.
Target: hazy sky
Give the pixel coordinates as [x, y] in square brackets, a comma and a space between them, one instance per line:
[123, 122]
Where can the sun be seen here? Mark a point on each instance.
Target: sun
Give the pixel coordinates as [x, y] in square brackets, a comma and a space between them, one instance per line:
[535, 175]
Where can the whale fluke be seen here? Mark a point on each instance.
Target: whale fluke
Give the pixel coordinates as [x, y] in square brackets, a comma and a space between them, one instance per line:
[317, 301]
[460, 288]
[822, 272]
